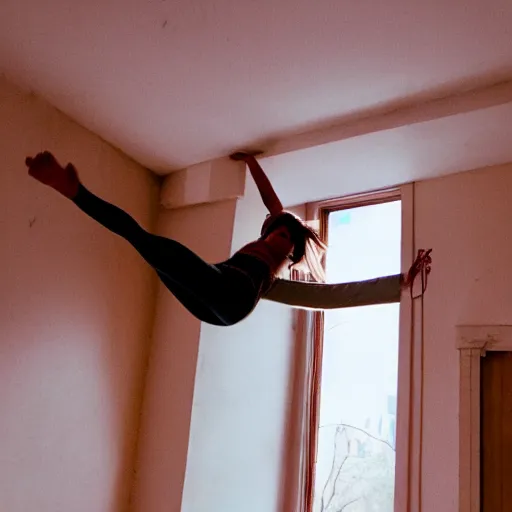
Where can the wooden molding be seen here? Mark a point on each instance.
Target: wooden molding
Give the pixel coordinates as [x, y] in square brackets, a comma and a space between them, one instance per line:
[473, 341]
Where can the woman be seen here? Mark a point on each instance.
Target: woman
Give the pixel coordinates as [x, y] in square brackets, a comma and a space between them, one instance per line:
[221, 294]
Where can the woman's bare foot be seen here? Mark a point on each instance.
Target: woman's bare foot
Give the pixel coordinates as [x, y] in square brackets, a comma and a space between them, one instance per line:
[45, 168]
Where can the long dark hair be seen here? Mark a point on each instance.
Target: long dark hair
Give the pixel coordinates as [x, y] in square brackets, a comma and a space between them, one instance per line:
[308, 248]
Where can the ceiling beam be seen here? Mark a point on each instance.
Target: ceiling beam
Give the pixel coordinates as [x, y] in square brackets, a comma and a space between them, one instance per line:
[430, 110]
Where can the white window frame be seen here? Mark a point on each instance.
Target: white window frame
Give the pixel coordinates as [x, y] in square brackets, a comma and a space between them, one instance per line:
[473, 341]
[409, 408]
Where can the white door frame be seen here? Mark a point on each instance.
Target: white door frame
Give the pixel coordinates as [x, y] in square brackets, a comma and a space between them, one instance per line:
[473, 341]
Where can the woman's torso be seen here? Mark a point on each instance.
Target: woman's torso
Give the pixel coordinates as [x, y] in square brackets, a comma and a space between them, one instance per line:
[250, 273]
[266, 253]
[260, 262]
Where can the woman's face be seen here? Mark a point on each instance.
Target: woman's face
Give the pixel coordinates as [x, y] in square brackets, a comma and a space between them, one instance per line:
[281, 240]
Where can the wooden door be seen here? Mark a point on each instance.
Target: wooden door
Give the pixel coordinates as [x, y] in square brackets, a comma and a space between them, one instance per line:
[496, 432]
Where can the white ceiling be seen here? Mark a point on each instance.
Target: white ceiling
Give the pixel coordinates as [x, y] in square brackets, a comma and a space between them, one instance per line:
[176, 82]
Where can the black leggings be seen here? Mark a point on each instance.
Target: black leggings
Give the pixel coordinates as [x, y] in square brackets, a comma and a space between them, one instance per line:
[221, 294]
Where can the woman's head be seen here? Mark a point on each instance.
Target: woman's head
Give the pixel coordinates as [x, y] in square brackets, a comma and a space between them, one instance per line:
[306, 247]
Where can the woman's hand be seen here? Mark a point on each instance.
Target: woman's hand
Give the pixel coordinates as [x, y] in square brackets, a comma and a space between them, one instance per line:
[45, 168]
[245, 156]
[422, 265]
[267, 192]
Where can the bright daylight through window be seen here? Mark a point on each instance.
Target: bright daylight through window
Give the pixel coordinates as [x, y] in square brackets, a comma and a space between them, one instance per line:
[355, 466]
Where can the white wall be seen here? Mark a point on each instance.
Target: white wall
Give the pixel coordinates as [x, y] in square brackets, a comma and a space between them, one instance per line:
[239, 417]
[215, 408]
[75, 311]
[466, 219]
[164, 439]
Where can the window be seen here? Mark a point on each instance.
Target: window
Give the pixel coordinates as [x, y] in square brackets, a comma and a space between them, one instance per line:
[356, 437]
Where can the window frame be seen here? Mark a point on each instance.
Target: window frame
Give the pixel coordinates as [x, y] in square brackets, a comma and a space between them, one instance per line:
[409, 389]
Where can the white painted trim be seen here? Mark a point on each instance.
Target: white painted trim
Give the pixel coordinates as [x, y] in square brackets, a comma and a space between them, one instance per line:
[485, 337]
[406, 474]
[473, 341]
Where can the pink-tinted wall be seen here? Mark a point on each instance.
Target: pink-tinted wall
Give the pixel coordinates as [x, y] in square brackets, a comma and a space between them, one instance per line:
[215, 408]
[75, 312]
[237, 448]
[466, 219]
[167, 410]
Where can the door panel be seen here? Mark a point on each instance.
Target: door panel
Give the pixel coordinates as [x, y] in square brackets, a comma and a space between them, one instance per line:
[496, 432]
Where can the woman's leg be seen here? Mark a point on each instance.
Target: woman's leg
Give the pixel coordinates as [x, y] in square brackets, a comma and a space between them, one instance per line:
[205, 290]
[201, 311]
[202, 288]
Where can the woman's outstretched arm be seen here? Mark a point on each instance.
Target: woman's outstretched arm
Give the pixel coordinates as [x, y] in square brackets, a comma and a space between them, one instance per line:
[267, 192]
[383, 290]
[316, 296]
